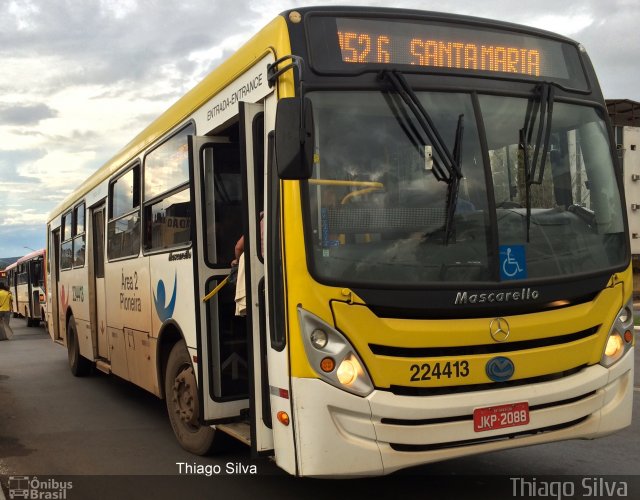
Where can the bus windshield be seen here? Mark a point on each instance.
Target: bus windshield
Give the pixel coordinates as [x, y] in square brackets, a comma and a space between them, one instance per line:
[377, 207]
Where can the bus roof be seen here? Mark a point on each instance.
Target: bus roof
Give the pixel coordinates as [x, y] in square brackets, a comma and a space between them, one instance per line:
[273, 37]
[430, 15]
[33, 255]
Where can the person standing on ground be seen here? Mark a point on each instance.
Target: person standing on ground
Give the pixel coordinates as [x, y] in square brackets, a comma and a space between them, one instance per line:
[6, 306]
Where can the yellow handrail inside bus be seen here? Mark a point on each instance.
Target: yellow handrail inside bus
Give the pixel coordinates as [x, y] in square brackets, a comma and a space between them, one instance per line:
[369, 186]
[359, 192]
[210, 295]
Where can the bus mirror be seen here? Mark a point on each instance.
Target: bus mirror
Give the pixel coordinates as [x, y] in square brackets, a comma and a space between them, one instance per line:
[294, 138]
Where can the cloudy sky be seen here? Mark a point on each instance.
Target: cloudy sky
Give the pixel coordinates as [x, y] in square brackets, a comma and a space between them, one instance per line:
[80, 78]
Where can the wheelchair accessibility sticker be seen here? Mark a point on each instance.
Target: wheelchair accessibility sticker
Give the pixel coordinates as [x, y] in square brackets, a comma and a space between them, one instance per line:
[513, 264]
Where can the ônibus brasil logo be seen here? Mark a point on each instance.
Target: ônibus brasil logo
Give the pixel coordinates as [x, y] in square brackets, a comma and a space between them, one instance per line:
[32, 487]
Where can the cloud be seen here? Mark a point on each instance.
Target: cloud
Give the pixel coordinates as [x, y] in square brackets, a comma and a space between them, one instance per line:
[613, 42]
[62, 170]
[96, 42]
[10, 163]
[24, 114]
[22, 217]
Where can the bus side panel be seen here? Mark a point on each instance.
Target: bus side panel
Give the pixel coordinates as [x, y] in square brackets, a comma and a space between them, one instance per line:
[22, 294]
[129, 319]
[172, 293]
[140, 349]
[171, 284]
[75, 293]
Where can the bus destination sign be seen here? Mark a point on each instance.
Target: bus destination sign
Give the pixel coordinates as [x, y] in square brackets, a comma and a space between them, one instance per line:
[355, 45]
[364, 47]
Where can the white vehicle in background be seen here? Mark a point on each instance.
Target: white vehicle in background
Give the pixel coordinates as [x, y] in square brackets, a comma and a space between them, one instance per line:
[27, 281]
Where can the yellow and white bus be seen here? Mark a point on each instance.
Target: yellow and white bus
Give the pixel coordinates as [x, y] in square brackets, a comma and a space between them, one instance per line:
[27, 282]
[436, 258]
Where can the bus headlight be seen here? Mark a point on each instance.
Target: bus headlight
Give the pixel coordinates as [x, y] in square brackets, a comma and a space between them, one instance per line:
[332, 356]
[319, 338]
[349, 370]
[620, 337]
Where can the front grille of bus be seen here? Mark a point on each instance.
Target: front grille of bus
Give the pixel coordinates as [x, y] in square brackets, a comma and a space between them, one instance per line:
[468, 442]
[463, 418]
[435, 352]
[399, 390]
[455, 312]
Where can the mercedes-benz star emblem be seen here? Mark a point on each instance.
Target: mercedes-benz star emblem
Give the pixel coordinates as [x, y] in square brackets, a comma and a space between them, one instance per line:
[499, 329]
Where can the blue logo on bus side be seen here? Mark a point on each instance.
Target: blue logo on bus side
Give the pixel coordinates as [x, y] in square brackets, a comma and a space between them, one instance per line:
[164, 310]
[500, 369]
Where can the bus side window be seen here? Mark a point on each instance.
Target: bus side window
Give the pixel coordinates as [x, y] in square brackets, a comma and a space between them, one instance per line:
[66, 243]
[167, 198]
[78, 235]
[123, 236]
[223, 192]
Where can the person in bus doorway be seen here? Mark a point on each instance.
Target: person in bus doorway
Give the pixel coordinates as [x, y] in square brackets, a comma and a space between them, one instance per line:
[6, 305]
[241, 291]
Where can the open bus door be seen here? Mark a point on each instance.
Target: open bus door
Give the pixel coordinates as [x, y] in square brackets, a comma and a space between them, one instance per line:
[228, 193]
[222, 367]
[55, 329]
[252, 133]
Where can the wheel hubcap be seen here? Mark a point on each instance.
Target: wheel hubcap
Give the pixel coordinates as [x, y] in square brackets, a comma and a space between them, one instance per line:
[185, 398]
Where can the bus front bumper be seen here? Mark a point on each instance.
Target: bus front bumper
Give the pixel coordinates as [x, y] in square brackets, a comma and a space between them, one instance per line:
[342, 434]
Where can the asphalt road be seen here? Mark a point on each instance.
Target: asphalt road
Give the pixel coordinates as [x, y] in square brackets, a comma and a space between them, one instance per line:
[109, 437]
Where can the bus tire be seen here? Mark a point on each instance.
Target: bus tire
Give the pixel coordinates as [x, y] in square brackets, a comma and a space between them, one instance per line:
[28, 318]
[79, 365]
[183, 406]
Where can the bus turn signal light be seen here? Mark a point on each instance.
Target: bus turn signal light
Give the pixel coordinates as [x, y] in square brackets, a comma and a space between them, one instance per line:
[628, 336]
[327, 365]
[283, 418]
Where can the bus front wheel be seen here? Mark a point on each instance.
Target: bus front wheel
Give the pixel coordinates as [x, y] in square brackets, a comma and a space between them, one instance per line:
[78, 364]
[183, 406]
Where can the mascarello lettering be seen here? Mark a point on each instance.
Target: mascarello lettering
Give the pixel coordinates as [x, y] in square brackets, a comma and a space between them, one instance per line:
[524, 294]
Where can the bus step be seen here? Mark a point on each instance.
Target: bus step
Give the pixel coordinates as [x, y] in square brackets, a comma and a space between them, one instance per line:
[103, 366]
[238, 430]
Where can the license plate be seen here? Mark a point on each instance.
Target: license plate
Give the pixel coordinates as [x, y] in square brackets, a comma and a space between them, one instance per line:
[499, 417]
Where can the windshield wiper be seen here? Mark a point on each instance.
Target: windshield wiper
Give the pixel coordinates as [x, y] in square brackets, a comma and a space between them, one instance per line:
[454, 185]
[539, 108]
[446, 165]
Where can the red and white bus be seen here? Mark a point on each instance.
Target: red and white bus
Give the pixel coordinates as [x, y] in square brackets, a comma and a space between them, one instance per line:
[26, 279]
